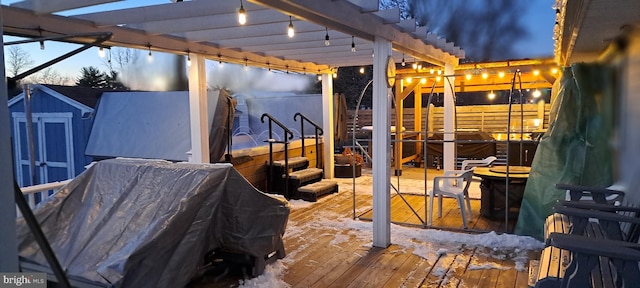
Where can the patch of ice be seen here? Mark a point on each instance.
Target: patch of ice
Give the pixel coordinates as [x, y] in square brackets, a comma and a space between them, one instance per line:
[272, 277]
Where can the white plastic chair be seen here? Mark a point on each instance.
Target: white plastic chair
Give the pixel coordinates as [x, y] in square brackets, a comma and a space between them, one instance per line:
[454, 183]
[467, 164]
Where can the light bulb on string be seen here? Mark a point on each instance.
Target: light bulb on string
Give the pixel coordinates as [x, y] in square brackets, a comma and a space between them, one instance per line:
[101, 52]
[536, 93]
[491, 95]
[188, 58]
[41, 45]
[353, 44]
[403, 63]
[149, 55]
[290, 31]
[326, 37]
[242, 15]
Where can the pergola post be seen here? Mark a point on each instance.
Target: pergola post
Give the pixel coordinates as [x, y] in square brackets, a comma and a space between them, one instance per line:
[449, 147]
[8, 241]
[327, 125]
[381, 145]
[198, 110]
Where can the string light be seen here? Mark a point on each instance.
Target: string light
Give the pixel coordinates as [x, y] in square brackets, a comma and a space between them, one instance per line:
[149, 56]
[403, 63]
[485, 75]
[409, 80]
[188, 58]
[414, 65]
[432, 71]
[290, 30]
[326, 37]
[468, 76]
[353, 44]
[242, 15]
[536, 72]
[41, 45]
[423, 81]
[491, 95]
[554, 70]
[536, 93]
[361, 70]
[101, 52]
[438, 79]
[501, 74]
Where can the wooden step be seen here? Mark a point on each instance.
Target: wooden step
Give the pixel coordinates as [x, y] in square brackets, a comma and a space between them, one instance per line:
[311, 192]
[294, 162]
[306, 175]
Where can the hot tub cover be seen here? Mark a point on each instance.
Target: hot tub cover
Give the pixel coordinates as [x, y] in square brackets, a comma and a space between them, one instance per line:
[141, 223]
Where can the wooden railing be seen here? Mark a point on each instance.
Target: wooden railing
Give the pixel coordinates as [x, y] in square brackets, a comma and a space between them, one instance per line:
[37, 193]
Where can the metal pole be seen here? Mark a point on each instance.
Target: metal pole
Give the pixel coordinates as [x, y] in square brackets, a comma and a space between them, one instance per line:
[33, 177]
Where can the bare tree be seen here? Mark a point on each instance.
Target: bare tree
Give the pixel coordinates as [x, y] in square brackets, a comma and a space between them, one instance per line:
[18, 60]
[50, 76]
[123, 57]
[401, 4]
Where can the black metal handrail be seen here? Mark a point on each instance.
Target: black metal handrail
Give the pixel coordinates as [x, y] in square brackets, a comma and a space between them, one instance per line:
[271, 140]
[318, 132]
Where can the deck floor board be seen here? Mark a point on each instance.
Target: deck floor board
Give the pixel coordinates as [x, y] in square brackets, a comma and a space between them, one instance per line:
[326, 247]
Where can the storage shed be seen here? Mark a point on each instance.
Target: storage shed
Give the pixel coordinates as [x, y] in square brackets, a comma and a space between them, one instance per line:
[62, 117]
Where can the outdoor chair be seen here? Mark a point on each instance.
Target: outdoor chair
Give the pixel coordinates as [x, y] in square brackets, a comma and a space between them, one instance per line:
[454, 183]
[468, 164]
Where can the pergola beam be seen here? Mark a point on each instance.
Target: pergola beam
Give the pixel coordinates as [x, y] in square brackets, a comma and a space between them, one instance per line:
[46, 7]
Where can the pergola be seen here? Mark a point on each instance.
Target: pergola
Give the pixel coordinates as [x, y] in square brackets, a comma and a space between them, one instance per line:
[358, 34]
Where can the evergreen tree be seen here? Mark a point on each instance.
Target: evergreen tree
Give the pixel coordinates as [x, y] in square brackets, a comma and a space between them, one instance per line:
[92, 77]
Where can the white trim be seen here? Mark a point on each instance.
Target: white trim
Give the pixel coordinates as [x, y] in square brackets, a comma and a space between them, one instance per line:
[328, 125]
[83, 108]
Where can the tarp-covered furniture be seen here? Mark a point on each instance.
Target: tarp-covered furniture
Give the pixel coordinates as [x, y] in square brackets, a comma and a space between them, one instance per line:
[140, 223]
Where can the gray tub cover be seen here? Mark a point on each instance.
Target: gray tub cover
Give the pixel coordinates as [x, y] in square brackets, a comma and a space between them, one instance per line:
[141, 223]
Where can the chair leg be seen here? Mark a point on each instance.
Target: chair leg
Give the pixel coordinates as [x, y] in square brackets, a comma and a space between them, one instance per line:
[430, 208]
[469, 207]
[462, 211]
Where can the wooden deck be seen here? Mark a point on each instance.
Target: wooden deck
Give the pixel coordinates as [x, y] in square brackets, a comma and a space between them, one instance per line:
[326, 247]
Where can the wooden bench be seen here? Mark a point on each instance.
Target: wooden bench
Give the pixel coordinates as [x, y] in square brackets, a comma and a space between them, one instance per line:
[584, 240]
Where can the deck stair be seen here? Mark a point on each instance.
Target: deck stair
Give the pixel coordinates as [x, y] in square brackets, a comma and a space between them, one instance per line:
[292, 176]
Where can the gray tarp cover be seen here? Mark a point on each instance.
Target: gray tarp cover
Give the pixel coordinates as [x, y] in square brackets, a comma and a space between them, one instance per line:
[576, 148]
[141, 223]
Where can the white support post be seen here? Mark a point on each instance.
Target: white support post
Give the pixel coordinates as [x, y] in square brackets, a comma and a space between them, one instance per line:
[381, 145]
[8, 241]
[327, 125]
[198, 110]
[449, 148]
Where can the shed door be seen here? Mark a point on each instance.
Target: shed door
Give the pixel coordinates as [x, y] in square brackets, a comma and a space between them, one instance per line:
[53, 143]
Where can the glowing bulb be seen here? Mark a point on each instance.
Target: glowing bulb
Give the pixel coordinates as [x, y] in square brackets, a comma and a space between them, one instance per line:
[188, 60]
[361, 70]
[485, 75]
[438, 79]
[290, 30]
[403, 63]
[491, 95]
[415, 65]
[501, 74]
[409, 80]
[468, 76]
[242, 15]
[536, 72]
[432, 71]
[554, 70]
[319, 77]
[101, 52]
[439, 72]
[536, 93]
[423, 80]
[335, 75]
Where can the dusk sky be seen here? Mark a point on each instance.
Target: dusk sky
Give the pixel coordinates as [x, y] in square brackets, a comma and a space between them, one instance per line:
[538, 17]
